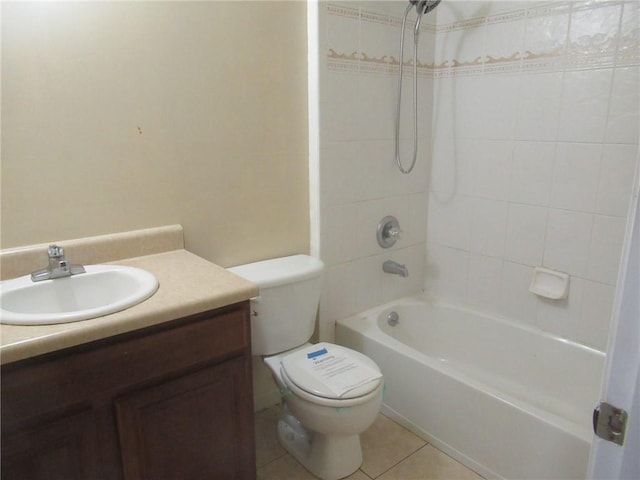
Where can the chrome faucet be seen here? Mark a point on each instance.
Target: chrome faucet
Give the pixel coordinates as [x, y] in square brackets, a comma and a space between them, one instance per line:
[393, 267]
[58, 266]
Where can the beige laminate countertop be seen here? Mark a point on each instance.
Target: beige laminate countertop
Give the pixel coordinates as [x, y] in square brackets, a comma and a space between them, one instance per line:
[188, 285]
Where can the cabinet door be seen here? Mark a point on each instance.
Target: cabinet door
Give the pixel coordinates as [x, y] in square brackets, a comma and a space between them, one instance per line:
[190, 427]
[60, 450]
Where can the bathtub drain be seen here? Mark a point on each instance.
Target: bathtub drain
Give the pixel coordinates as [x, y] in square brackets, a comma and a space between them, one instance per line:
[393, 319]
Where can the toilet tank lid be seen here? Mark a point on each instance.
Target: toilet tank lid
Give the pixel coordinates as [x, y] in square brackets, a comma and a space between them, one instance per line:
[280, 271]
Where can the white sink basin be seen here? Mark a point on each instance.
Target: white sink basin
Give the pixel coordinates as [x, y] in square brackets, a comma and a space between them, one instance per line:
[102, 290]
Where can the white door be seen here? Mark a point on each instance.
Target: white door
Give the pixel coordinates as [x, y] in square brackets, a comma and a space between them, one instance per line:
[621, 386]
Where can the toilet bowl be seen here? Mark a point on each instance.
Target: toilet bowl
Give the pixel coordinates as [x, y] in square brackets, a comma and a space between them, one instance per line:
[330, 394]
[319, 429]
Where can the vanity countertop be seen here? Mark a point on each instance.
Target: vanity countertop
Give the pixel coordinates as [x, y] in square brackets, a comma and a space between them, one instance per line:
[188, 285]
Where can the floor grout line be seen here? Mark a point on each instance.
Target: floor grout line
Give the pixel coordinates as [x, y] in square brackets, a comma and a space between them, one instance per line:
[399, 461]
[398, 458]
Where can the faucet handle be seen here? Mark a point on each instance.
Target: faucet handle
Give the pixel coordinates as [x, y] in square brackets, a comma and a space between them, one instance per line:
[388, 232]
[394, 232]
[55, 251]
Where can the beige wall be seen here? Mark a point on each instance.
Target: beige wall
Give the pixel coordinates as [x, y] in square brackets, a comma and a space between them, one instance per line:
[125, 115]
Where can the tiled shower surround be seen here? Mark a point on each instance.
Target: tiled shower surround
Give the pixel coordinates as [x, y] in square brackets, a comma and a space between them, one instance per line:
[528, 143]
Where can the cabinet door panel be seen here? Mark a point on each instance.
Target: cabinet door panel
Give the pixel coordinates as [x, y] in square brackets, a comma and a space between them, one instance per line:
[190, 427]
[61, 450]
[118, 363]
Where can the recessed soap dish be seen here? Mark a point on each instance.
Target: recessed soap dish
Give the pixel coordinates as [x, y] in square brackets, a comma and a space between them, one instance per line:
[549, 283]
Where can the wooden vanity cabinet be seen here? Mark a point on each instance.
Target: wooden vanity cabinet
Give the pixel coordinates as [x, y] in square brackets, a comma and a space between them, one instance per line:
[173, 401]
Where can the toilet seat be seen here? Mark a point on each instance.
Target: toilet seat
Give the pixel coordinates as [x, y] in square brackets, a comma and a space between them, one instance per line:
[300, 375]
[330, 402]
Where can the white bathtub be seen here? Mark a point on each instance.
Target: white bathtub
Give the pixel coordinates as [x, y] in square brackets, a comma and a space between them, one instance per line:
[504, 399]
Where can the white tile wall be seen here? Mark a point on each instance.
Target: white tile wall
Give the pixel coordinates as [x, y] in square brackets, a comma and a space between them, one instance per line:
[575, 177]
[499, 106]
[585, 105]
[532, 172]
[566, 246]
[593, 28]
[538, 115]
[446, 273]
[496, 32]
[614, 187]
[543, 154]
[459, 46]
[344, 244]
[525, 234]
[488, 227]
[629, 32]
[394, 286]
[547, 32]
[340, 160]
[597, 299]
[484, 282]
[562, 317]
[449, 221]
[490, 157]
[604, 251]
[452, 166]
[622, 122]
[360, 183]
[527, 153]
[371, 212]
[517, 301]
[341, 120]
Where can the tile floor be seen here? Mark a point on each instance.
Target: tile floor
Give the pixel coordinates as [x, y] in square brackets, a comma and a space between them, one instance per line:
[390, 452]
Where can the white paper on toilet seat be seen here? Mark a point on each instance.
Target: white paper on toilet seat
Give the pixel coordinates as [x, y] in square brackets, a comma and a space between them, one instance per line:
[338, 372]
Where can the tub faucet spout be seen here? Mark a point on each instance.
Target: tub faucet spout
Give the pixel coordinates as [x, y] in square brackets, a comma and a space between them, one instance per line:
[395, 268]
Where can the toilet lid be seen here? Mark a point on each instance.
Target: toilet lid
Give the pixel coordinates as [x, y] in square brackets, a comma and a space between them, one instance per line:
[332, 371]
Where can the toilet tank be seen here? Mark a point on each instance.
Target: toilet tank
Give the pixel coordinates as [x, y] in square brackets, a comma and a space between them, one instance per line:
[283, 315]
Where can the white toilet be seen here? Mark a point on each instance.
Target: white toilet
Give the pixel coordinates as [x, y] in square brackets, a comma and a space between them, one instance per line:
[330, 393]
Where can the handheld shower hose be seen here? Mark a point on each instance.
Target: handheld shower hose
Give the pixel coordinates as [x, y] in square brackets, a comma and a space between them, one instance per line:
[422, 7]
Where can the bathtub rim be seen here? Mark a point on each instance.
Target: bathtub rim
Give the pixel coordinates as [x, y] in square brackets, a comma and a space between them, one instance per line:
[360, 323]
[424, 298]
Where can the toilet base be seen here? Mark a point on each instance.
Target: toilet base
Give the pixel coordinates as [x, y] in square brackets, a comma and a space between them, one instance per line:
[329, 457]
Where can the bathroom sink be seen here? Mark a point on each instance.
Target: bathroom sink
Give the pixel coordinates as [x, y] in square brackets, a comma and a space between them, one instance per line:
[102, 290]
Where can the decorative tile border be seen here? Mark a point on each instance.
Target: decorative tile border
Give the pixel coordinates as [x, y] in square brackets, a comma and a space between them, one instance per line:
[342, 11]
[597, 51]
